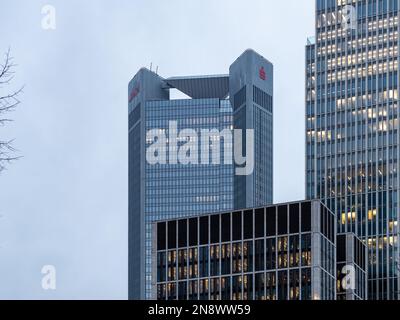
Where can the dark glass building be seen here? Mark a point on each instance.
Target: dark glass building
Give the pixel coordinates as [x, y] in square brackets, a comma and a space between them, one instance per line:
[279, 252]
[351, 262]
[352, 128]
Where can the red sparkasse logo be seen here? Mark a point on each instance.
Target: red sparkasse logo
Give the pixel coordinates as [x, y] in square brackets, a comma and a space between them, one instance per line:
[135, 91]
[263, 75]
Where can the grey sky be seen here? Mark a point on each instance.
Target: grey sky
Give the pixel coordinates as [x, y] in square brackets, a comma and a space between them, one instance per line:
[65, 202]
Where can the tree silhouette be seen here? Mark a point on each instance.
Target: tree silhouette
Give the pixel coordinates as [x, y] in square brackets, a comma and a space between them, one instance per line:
[8, 103]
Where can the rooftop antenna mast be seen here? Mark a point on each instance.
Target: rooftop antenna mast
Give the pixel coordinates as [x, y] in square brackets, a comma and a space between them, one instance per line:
[157, 70]
[151, 66]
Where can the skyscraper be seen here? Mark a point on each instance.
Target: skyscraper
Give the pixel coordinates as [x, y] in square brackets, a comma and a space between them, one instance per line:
[159, 191]
[251, 95]
[352, 129]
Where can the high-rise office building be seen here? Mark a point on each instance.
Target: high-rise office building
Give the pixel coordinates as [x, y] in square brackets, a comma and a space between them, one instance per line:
[251, 95]
[352, 129]
[171, 188]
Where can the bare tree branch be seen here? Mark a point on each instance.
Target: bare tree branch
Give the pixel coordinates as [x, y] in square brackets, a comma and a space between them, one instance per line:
[7, 69]
[8, 103]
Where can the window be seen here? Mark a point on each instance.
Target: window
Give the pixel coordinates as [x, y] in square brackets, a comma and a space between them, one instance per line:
[226, 259]
[260, 286]
[161, 236]
[226, 288]
[306, 284]
[271, 254]
[214, 263]
[171, 291]
[182, 264]
[248, 256]
[193, 234]
[193, 290]
[193, 263]
[214, 236]
[182, 233]
[283, 283]
[270, 286]
[306, 217]
[259, 223]
[294, 292]
[172, 235]
[237, 258]
[283, 252]
[341, 248]
[161, 292]
[294, 220]
[226, 227]
[182, 291]
[294, 249]
[248, 287]
[161, 267]
[203, 230]
[214, 289]
[248, 225]
[237, 288]
[282, 220]
[236, 226]
[306, 250]
[271, 222]
[172, 265]
[259, 255]
[203, 262]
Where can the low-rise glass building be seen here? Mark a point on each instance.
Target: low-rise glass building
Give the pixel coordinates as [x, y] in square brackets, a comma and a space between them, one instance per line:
[351, 267]
[278, 252]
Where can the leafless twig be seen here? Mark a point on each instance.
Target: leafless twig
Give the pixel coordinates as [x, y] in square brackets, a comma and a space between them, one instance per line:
[8, 103]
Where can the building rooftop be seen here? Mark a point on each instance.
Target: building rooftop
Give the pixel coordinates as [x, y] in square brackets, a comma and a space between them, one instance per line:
[310, 41]
[201, 87]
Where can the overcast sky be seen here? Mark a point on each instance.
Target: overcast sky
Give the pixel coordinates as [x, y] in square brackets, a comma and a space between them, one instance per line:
[65, 202]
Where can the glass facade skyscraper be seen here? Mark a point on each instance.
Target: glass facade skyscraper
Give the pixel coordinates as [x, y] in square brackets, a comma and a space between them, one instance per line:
[352, 129]
[240, 100]
[251, 88]
[176, 190]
